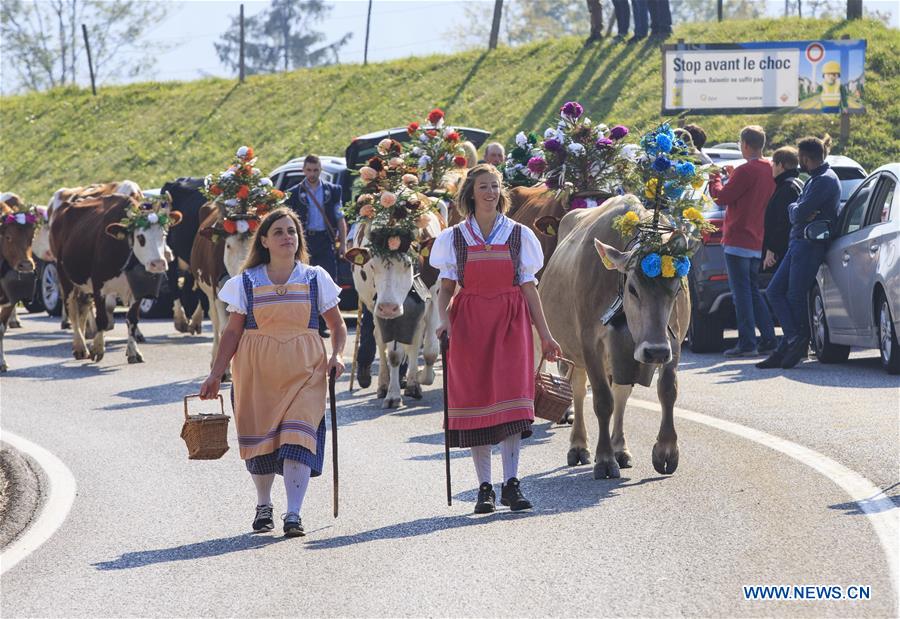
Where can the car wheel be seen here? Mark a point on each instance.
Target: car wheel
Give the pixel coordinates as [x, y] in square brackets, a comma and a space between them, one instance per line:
[51, 295]
[705, 333]
[887, 338]
[826, 352]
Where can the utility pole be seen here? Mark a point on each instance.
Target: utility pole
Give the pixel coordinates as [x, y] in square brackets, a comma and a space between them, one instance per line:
[242, 71]
[719, 9]
[495, 25]
[786, 9]
[87, 46]
[368, 25]
[854, 9]
[800, 9]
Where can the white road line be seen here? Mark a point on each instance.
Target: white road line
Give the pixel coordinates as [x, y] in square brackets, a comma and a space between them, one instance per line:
[61, 495]
[883, 515]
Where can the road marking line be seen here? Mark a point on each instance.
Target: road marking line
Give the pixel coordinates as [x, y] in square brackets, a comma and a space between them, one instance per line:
[883, 515]
[59, 501]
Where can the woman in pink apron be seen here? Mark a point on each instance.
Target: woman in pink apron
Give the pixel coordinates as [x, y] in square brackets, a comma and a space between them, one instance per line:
[491, 357]
[280, 365]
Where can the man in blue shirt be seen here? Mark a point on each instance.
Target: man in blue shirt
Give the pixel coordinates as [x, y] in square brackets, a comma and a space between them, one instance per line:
[789, 288]
[318, 204]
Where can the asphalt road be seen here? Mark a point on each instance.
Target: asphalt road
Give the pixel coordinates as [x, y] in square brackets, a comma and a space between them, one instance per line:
[153, 534]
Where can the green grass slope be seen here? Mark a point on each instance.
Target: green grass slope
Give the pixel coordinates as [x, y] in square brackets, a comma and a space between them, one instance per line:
[152, 132]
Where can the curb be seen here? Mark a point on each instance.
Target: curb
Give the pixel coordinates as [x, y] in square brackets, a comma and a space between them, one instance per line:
[21, 496]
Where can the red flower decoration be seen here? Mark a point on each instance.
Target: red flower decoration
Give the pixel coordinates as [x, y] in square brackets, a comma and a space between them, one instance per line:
[215, 190]
[412, 128]
[229, 226]
[243, 192]
[376, 164]
[430, 133]
[253, 223]
[278, 193]
[460, 161]
[453, 136]
[435, 115]
[249, 154]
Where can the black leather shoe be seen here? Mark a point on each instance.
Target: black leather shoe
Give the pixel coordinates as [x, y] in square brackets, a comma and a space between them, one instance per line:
[511, 495]
[486, 499]
[364, 376]
[263, 520]
[772, 361]
[794, 354]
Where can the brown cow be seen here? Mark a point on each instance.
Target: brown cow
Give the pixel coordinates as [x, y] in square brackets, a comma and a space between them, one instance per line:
[215, 256]
[16, 265]
[94, 251]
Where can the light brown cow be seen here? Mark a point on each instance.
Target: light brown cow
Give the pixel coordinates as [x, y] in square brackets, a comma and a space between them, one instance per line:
[576, 289]
[16, 265]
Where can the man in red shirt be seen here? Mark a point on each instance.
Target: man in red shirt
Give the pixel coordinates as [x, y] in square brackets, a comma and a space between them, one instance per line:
[745, 197]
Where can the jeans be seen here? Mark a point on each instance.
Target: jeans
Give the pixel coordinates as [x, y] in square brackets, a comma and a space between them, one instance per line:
[623, 16]
[660, 16]
[322, 252]
[789, 288]
[641, 18]
[750, 308]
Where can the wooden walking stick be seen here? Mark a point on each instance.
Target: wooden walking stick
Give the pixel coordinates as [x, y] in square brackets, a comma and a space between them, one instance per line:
[445, 345]
[359, 310]
[334, 441]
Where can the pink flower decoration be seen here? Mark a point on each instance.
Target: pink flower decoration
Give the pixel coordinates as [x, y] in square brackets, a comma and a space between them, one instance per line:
[578, 203]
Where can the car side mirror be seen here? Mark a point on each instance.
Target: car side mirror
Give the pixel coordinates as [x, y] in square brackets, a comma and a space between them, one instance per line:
[818, 231]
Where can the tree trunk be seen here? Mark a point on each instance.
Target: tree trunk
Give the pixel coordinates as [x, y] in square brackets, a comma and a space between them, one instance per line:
[495, 25]
[596, 12]
[854, 9]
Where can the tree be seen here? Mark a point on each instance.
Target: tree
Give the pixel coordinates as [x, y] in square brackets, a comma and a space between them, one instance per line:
[281, 37]
[42, 41]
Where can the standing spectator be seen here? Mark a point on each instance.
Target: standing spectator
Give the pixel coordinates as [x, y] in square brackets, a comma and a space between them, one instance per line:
[698, 137]
[623, 18]
[789, 289]
[494, 154]
[787, 189]
[641, 20]
[660, 18]
[280, 365]
[493, 260]
[745, 197]
[318, 204]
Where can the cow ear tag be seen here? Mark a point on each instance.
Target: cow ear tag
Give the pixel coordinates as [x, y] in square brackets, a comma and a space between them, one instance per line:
[425, 252]
[547, 225]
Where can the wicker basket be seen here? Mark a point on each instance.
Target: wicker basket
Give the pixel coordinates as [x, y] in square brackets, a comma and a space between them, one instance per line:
[206, 436]
[553, 394]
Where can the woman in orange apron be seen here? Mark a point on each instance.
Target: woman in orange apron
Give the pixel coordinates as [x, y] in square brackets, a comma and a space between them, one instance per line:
[280, 365]
[491, 357]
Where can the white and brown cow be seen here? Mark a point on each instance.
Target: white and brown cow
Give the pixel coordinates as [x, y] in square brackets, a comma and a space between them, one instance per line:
[93, 250]
[646, 338]
[216, 256]
[17, 275]
[405, 313]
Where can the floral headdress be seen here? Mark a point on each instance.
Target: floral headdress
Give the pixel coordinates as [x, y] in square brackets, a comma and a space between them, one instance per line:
[580, 156]
[434, 149]
[664, 176]
[242, 193]
[22, 214]
[388, 170]
[148, 212]
[524, 163]
[393, 218]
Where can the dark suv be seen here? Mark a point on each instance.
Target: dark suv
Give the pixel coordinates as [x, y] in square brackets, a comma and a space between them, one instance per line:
[712, 310]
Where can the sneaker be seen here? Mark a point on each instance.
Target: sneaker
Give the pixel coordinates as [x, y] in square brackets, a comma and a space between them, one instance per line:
[737, 351]
[486, 499]
[511, 495]
[794, 354]
[767, 348]
[772, 361]
[364, 376]
[263, 520]
[293, 527]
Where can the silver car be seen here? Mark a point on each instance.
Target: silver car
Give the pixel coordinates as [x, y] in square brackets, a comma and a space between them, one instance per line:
[856, 300]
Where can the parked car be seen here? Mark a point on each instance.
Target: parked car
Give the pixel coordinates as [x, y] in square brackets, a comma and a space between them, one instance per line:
[712, 309]
[340, 171]
[856, 300]
[722, 156]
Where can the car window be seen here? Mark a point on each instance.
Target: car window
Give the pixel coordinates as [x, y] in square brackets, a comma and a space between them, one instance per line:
[290, 179]
[856, 208]
[881, 207]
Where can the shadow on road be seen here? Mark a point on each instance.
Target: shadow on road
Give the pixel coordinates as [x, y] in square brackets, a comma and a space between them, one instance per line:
[187, 552]
[540, 434]
[544, 488]
[156, 394]
[872, 505]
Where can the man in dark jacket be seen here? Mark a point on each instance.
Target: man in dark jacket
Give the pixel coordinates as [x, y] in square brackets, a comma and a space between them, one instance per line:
[789, 289]
[785, 169]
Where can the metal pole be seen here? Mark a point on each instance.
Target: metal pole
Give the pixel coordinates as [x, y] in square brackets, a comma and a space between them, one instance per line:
[242, 73]
[87, 46]
[786, 10]
[366, 50]
[719, 9]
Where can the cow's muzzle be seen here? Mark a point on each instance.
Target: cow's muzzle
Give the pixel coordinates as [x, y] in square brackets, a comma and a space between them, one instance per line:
[25, 266]
[157, 266]
[388, 310]
[653, 353]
